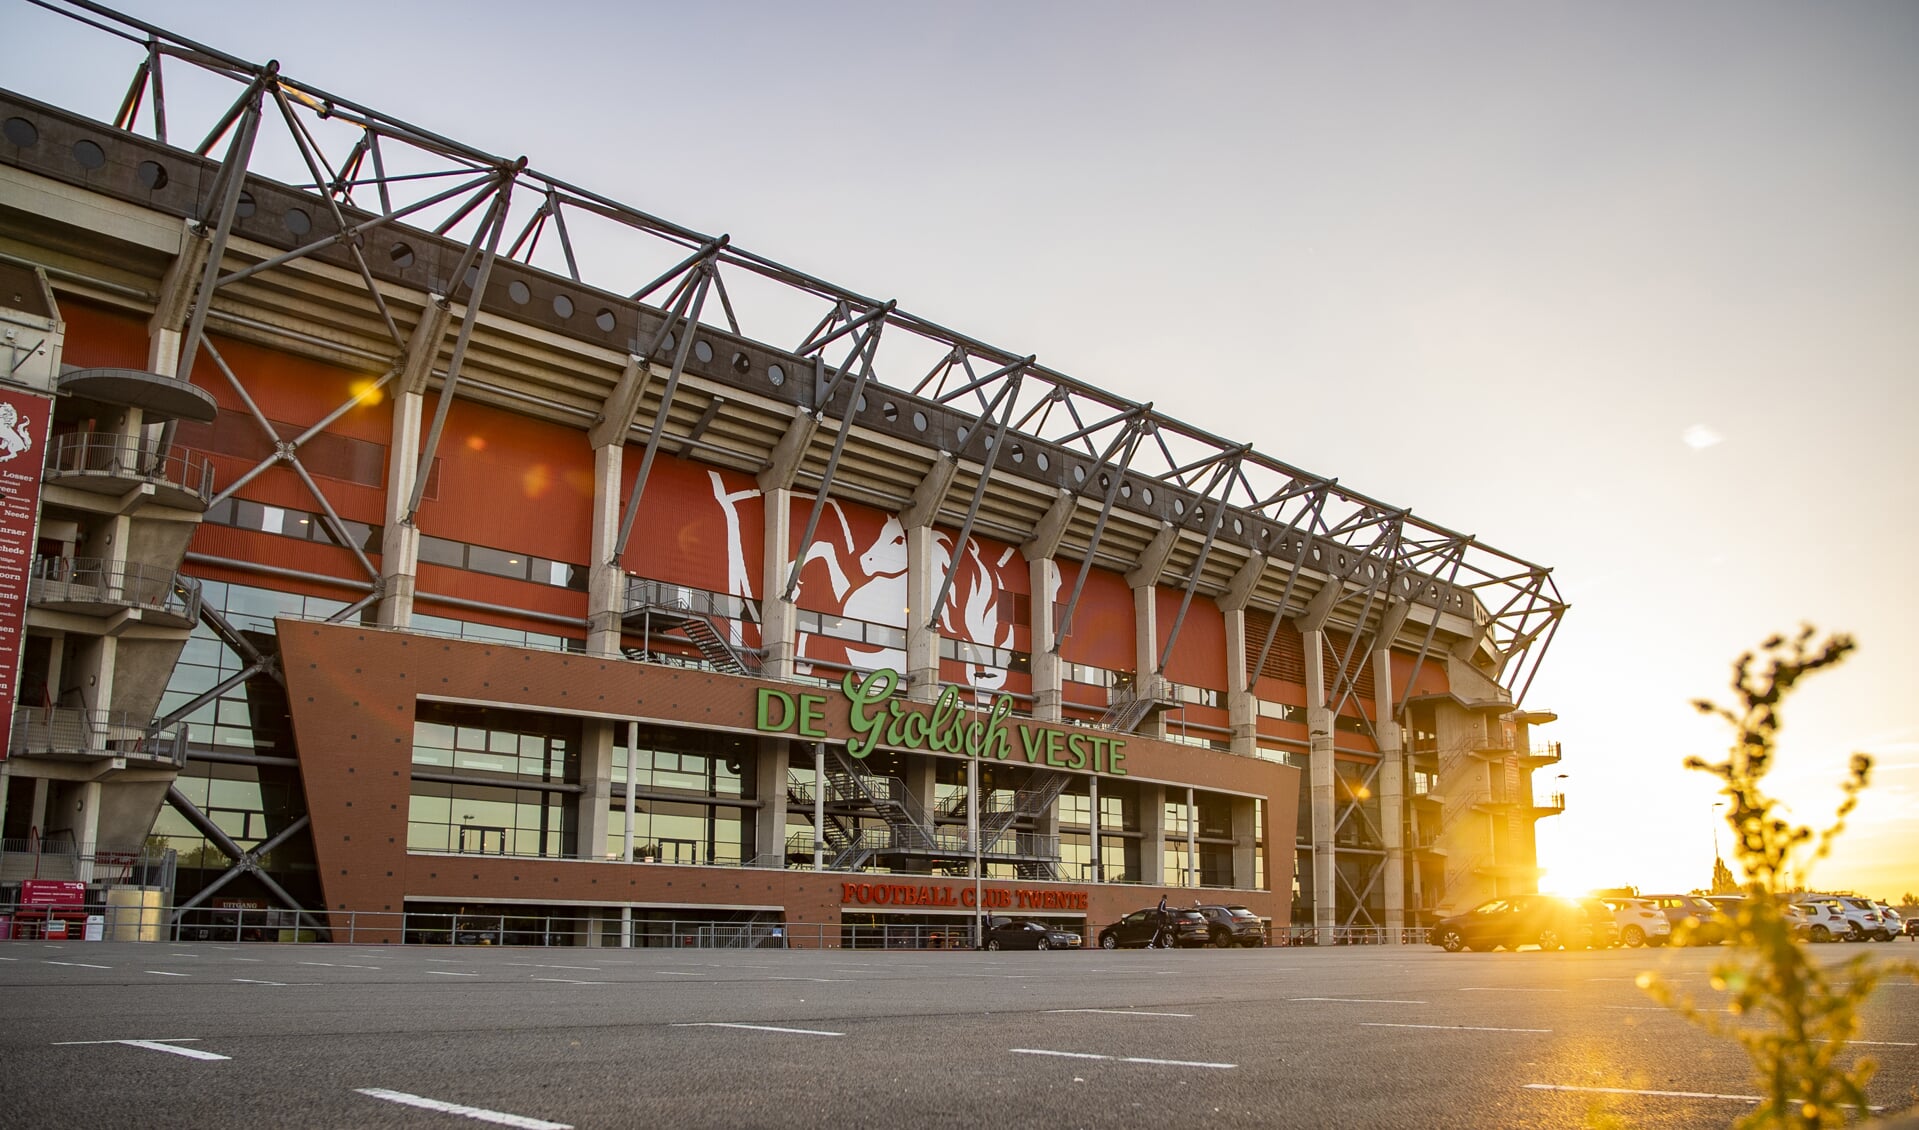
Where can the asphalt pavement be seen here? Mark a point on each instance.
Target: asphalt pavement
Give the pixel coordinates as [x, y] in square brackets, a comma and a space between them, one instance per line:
[204, 1035]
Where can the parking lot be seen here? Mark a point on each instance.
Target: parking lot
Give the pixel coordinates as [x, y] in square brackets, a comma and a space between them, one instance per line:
[268, 1035]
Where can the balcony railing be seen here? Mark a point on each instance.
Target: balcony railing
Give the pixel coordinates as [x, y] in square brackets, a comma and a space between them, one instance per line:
[72, 734]
[88, 583]
[125, 457]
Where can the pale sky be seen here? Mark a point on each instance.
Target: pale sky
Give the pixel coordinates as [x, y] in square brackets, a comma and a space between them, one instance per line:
[1630, 290]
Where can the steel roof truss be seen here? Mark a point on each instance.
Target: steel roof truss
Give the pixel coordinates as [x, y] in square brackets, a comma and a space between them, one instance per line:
[1457, 553]
[1295, 568]
[1130, 437]
[1222, 478]
[695, 297]
[304, 142]
[1007, 395]
[864, 344]
[227, 202]
[489, 230]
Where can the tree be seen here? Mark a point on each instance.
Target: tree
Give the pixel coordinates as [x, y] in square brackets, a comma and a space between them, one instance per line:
[1799, 1016]
[1722, 881]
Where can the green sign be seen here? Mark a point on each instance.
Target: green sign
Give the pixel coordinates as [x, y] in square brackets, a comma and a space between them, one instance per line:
[879, 719]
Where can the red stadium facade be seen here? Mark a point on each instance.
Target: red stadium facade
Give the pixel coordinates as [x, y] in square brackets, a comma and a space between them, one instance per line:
[393, 612]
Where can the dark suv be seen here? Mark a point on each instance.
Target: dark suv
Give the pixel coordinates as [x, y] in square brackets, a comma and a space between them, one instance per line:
[1137, 929]
[1232, 926]
[1517, 920]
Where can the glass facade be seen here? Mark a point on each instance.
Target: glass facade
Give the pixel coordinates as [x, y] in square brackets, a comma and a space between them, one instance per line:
[493, 781]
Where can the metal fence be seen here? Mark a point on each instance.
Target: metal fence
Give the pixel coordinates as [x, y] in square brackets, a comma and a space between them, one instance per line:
[136, 918]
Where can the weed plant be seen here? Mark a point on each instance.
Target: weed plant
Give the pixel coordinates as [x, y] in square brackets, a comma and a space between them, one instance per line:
[1795, 1017]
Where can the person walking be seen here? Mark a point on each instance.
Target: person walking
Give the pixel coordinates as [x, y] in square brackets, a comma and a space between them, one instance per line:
[1162, 928]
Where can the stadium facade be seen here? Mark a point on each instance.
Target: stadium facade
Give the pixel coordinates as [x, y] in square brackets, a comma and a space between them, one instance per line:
[694, 588]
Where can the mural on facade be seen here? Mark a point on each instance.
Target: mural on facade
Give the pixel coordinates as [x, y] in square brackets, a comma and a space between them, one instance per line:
[854, 577]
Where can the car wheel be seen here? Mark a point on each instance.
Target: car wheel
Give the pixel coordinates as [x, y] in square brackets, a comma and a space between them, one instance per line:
[1108, 942]
[1222, 939]
[992, 944]
[1043, 945]
[1450, 941]
[1633, 936]
[1854, 933]
[1821, 934]
[1884, 935]
[1549, 939]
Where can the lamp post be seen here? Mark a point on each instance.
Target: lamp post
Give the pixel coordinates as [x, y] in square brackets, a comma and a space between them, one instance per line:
[1715, 832]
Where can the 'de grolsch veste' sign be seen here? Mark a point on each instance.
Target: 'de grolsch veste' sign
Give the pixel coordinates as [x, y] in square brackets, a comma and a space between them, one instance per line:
[878, 719]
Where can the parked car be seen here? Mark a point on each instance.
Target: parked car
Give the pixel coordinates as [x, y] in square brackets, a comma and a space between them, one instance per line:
[1138, 928]
[1232, 926]
[1640, 922]
[1694, 920]
[1912, 927]
[1815, 922]
[1022, 934]
[1894, 922]
[1546, 921]
[1605, 929]
[1861, 917]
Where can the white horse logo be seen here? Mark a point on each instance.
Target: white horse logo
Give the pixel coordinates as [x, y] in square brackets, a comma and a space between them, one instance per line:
[14, 437]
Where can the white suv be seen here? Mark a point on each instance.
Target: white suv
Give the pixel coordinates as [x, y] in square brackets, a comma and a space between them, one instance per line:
[1861, 919]
[1640, 922]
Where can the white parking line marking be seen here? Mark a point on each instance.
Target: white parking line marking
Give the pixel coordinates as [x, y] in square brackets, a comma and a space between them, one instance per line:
[1875, 1043]
[250, 981]
[79, 965]
[759, 1028]
[152, 1045]
[1660, 1094]
[537, 965]
[567, 981]
[1352, 1000]
[1451, 1027]
[336, 965]
[1511, 989]
[1122, 1012]
[164, 973]
[445, 973]
[1638, 1008]
[1123, 1058]
[478, 1114]
[1654, 1094]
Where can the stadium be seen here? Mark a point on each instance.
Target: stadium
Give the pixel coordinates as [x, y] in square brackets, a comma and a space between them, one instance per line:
[377, 572]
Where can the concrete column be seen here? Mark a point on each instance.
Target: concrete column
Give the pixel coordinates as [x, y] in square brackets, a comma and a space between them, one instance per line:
[1152, 827]
[769, 788]
[1241, 704]
[1319, 732]
[1192, 839]
[1047, 668]
[596, 787]
[778, 620]
[86, 829]
[1392, 794]
[920, 775]
[1244, 814]
[605, 577]
[1092, 825]
[1464, 832]
[400, 540]
[922, 632]
[1146, 653]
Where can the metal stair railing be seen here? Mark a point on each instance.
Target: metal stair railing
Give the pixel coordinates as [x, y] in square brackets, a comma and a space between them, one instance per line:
[714, 647]
[1125, 710]
[889, 799]
[1033, 798]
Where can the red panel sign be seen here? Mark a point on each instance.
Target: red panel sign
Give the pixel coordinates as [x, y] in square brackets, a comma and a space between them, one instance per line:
[52, 892]
[23, 435]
